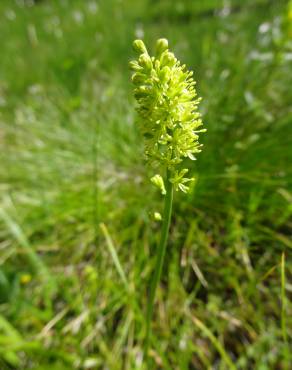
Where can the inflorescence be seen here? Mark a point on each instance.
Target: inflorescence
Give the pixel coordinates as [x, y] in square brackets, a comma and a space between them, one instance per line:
[168, 111]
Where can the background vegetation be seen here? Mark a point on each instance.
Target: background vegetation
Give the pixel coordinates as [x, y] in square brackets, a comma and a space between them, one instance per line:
[77, 237]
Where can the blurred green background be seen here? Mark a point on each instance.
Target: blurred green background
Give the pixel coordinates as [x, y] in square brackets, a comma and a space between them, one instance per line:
[74, 189]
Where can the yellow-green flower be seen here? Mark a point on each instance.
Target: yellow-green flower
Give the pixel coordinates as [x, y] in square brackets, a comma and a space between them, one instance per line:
[168, 111]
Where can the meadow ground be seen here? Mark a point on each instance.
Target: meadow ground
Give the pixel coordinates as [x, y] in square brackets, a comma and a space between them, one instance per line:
[77, 237]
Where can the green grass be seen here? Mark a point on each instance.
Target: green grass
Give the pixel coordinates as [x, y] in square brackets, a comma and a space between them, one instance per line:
[73, 295]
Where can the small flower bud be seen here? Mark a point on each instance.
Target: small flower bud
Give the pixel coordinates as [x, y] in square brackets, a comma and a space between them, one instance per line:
[134, 66]
[142, 91]
[161, 46]
[164, 74]
[157, 216]
[145, 61]
[168, 59]
[139, 46]
[138, 79]
[157, 180]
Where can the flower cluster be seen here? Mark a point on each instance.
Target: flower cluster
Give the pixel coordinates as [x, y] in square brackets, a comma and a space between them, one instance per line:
[167, 107]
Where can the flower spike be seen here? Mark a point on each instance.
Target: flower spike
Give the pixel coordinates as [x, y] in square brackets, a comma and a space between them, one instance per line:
[168, 111]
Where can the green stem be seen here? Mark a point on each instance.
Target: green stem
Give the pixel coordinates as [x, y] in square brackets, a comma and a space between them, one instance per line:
[159, 262]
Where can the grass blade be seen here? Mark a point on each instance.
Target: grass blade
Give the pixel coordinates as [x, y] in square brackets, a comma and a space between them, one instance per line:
[207, 332]
[15, 230]
[114, 254]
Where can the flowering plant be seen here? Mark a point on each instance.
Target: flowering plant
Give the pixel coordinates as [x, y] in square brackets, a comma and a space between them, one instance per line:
[168, 111]
[170, 123]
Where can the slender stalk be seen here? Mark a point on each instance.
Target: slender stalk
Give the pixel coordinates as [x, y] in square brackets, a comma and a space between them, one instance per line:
[159, 263]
